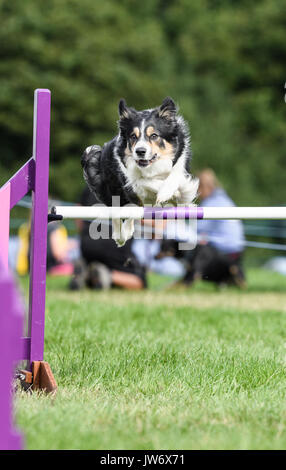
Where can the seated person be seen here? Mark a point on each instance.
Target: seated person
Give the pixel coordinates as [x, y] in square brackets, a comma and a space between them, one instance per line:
[221, 242]
[218, 254]
[102, 264]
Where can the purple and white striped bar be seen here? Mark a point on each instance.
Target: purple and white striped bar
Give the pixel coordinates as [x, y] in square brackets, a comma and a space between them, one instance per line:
[173, 213]
[170, 213]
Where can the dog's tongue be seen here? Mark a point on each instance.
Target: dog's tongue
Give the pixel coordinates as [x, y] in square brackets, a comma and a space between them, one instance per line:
[143, 162]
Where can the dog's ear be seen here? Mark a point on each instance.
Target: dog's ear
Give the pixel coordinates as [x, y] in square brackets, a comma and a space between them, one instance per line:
[168, 109]
[124, 111]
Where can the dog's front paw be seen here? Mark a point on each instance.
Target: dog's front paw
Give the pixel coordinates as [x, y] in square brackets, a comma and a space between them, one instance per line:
[127, 229]
[117, 232]
[164, 195]
[119, 242]
[122, 231]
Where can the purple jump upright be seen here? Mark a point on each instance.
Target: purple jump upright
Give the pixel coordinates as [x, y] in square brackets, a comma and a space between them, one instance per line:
[38, 250]
[34, 177]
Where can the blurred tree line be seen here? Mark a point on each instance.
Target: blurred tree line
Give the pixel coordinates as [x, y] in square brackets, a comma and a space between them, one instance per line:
[223, 61]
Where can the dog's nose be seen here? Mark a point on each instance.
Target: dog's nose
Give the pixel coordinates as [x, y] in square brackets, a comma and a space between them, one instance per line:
[141, 151]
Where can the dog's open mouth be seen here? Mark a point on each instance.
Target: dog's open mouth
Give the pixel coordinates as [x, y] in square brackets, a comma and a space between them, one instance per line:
[143, 163]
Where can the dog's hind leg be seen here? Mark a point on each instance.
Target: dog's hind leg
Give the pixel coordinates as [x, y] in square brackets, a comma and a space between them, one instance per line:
[90, 162]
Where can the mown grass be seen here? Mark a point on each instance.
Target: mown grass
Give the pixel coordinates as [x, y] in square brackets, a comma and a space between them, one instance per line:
[163, 368]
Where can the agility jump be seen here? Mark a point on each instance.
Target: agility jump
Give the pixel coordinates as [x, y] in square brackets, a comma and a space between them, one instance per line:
[34, 176]
[169, 213]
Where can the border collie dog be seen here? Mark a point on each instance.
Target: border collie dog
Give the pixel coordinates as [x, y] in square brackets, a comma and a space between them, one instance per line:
[147, 163]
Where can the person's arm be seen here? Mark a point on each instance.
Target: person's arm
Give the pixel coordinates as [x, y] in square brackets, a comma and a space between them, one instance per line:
[126, 280]
[206, 228]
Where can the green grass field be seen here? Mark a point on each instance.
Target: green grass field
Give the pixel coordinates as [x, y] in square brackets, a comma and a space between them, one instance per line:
[163, 368]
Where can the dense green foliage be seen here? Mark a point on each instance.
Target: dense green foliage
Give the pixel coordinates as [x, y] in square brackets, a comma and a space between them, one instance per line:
[222, 61]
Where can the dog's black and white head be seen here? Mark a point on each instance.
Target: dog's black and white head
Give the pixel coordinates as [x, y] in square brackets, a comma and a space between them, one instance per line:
[151, 135]
[146, 163]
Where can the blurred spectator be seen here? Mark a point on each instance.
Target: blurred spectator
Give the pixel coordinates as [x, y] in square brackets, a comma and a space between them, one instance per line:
[102, 263]
[227, 236]
[22, 262]
[58, 250]
[221, 242]
[218, 254]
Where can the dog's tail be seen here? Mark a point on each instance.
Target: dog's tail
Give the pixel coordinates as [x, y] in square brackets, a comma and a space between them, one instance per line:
[90, 162]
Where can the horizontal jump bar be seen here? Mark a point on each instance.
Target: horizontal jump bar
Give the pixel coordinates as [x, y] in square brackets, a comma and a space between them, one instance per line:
[136, 212]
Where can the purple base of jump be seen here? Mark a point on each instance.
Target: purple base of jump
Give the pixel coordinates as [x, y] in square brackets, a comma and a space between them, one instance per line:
[175, 213]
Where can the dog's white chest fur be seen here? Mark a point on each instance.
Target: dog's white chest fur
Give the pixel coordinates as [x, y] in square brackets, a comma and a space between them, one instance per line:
[147, 182]
[161, 182]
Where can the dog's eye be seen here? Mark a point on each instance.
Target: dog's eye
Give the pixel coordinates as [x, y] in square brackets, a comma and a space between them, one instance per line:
[133, 137]
[154, 136]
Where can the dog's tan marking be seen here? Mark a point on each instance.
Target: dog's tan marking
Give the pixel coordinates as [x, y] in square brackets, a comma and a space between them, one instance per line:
[150, 130]
[165, 113]
[125, 114]
[127, 152]
[136, 131]
[164, 153]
